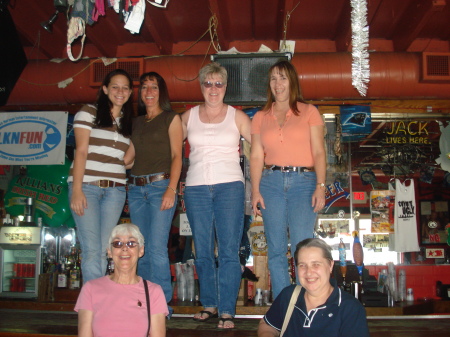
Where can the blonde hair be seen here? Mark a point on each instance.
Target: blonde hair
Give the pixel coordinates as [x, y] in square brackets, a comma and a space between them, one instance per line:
[211, 69]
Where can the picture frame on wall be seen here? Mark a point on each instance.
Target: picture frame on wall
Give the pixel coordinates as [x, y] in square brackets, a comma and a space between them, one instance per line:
[434, 216]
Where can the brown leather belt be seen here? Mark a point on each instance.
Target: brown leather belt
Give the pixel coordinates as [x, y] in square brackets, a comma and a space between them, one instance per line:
[104, 183]
[289, 168]
[144, 180]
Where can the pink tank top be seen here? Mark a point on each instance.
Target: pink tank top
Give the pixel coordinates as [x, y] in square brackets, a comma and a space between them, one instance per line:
[214, 156]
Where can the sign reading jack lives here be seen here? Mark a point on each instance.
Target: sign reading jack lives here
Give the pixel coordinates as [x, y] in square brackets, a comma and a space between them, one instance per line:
[33, 138]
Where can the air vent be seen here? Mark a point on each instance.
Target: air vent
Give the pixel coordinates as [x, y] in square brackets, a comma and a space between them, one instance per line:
[436, 67]
[135, 67]
[247, 76]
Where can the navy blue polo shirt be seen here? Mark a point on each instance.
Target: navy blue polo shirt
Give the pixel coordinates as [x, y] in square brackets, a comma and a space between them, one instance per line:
[342, 315]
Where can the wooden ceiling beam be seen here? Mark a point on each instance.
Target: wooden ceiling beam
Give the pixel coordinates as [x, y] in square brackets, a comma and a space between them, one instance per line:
[414, 19]
[105, 47]
[285, 8]
[224, 41]
[344, 30]
[157, 24]
[343, 38]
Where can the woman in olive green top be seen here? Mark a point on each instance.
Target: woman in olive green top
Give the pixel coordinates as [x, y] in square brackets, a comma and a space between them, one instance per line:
[152, 185]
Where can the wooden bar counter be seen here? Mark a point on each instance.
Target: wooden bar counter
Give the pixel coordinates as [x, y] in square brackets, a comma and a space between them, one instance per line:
[30, 318]
[65, 301]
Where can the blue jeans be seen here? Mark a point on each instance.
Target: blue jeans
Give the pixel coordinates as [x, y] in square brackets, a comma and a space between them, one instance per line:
[105, 206]
[144, 203]
[287, 197]
[216, 212]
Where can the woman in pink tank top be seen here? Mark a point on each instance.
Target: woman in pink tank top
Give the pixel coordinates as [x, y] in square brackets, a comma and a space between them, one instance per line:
[214, 195]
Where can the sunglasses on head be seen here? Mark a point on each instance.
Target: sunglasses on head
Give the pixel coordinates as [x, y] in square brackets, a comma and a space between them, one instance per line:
[120, 244]
[209, 84]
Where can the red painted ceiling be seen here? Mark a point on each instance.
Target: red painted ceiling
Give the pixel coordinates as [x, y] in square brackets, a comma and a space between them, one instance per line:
[184, 27]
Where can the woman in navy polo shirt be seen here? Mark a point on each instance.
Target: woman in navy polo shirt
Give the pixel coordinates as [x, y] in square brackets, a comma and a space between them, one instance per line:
[321, 308]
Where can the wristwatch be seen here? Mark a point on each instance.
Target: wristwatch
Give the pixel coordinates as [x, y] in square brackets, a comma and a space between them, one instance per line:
[321, 185]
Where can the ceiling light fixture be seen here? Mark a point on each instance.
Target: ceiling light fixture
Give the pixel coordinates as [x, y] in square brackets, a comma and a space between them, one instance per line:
[47, 25]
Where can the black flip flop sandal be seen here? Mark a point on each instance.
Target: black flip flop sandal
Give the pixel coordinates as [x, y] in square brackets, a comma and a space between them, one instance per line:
[207, 318]
[225, 319]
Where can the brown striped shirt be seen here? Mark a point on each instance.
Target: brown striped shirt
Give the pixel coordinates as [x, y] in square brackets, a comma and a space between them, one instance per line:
[106, 149]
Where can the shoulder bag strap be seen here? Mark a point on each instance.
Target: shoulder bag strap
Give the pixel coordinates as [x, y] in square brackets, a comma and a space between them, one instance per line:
[148, 305]
[290, 309]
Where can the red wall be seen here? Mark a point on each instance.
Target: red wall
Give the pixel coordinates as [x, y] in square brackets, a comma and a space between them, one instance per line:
[421, 278]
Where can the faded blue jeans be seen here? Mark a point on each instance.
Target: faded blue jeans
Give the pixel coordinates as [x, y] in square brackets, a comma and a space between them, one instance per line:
[105, 206]
[216, 213]
[144, 203]
[287, 197]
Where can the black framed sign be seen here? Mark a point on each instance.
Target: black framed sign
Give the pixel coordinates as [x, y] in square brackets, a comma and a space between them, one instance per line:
[434, 216]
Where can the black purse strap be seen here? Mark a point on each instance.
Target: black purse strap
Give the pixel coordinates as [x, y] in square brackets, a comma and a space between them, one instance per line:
[147, 296]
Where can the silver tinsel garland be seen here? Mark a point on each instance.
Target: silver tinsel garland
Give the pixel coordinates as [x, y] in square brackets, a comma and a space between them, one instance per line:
[360, 45]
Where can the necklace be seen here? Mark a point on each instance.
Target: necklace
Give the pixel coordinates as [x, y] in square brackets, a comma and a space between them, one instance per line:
[214, 118]
[149, 119]
[116, 128]
[281, 116]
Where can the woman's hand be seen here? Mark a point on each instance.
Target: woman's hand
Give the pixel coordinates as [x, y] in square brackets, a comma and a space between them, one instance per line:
[318, 199]
[168, 199]
[256, 168]
[257, 202]
[78, 202]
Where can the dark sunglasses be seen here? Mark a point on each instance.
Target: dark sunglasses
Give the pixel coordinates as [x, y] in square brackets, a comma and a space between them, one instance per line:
[211, 84]
[120, 244]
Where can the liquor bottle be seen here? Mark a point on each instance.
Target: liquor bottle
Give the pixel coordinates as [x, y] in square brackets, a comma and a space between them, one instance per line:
[62, 277]
[75, 272]
[75, 278]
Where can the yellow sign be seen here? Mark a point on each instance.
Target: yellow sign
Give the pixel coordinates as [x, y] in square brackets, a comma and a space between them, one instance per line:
[414, 132]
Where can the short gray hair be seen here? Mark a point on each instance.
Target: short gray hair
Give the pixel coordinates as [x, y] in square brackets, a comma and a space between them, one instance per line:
[127, 229]
[318, 243]
[212, 69]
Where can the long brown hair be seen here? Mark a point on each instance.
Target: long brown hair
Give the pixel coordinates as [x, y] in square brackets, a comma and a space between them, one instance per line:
[295, 93]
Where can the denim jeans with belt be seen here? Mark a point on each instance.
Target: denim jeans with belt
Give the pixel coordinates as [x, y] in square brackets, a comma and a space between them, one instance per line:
[216, 212]
[144, 203]
[287, 197]
[105, 206]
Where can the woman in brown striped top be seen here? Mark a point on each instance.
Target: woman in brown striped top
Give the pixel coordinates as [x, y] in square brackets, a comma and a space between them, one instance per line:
[97, 176]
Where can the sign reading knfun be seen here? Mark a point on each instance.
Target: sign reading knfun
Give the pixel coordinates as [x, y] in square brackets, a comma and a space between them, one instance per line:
[33, 138]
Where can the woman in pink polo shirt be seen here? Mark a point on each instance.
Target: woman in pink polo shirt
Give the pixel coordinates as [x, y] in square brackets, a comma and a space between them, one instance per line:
[288, 168]
[116, 304]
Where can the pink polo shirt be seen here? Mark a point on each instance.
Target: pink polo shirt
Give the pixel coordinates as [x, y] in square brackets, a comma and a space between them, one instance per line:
[290, 144]
[120, 309]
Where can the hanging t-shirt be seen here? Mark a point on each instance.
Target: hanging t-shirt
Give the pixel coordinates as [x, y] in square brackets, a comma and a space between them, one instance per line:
[405, 225]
